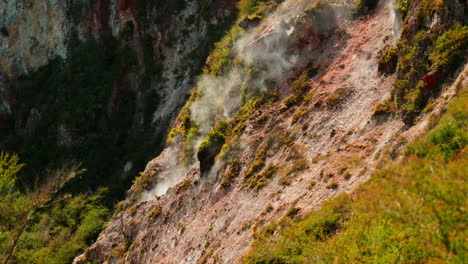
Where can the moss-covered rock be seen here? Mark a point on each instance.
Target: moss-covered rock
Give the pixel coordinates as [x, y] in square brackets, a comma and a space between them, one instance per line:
[211, 145]
[388, 61]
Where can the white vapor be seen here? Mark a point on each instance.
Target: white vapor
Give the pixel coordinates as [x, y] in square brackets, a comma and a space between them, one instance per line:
[265, 49]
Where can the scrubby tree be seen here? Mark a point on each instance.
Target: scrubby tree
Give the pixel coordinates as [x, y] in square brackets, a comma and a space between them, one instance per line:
[15, 207]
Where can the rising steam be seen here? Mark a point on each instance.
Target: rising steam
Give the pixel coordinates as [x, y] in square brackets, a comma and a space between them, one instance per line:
[266, 49]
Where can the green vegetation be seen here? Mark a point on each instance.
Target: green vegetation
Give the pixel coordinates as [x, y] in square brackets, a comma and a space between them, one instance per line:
[257, 164]
[251, 8]
[389, 60]
[450, 48]
[296, 160]
[221, 57]
[256, 177]
[402, 6]
[211, 145]
[259, 180]
[334, 99]
[387, 107]
[78, 110]
[424, 52]
[184, 186]
[64, 231]
[237, 124]
[185, 127]
[298, 88]
[42, 225]
[410, 212]
[231, 172]
[86, 113]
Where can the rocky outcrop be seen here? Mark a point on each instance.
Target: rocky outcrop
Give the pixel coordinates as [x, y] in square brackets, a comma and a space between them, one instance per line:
[432, 79]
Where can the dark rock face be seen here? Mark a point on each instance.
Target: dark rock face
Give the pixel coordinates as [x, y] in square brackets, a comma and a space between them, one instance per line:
[211, 146]
[207, 155]
[249, 22]
[388, 63]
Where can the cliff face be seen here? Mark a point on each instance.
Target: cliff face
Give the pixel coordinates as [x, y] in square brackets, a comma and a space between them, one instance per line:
[127, 63]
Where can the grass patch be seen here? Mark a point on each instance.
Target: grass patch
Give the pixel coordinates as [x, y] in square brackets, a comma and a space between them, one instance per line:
[298, 88]
[184, 186]
[423, 52]
[259, 180]
[231, 172]
[211, 145]
[449, 48]
[334, 99]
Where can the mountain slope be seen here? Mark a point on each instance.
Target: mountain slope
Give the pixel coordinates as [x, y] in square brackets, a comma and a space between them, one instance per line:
[312, 136]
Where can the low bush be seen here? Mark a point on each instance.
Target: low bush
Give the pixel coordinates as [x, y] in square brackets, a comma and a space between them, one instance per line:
[298, 89]
[183, 186]
[233, 170]
[450, 48]
[388, 61]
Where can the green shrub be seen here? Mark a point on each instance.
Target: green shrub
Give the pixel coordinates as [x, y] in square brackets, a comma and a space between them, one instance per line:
[298, 89]
[183, 186]
[237, 124]
[386, 107]
[450, 48]
[221, 57]
[388, 61]
[449, 138]
[298, 115]
[258, 163]
[255, 7]
[234, 168]
[402, 6]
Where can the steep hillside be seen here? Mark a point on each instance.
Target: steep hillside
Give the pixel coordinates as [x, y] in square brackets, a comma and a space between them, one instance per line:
[280, 131]
[409, 212]
[298, 103]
